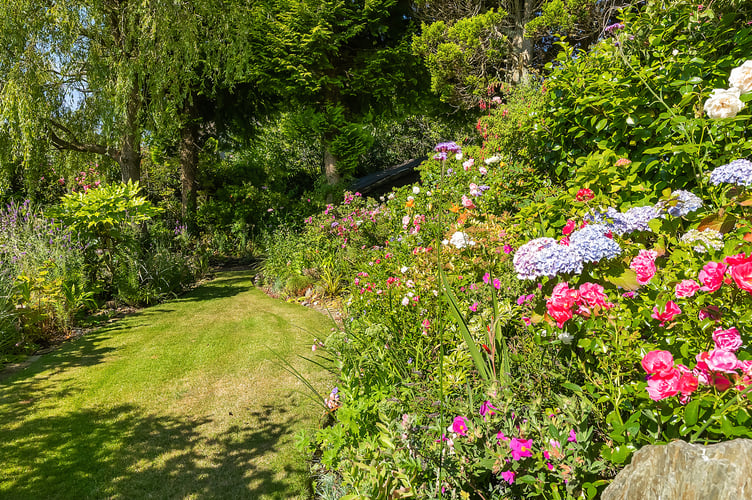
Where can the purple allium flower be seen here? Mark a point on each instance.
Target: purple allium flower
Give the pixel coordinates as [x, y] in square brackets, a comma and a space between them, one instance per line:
[738, 172]
[613, 27]
[447, 147]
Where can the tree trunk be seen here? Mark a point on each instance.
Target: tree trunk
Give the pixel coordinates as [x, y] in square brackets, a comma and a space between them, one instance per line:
[189, 155]
[522, 47]
[330, 167]
[130, 152]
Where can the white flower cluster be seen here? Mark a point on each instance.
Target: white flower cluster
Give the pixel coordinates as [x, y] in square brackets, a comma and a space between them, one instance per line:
[726, 103]
[708, 239]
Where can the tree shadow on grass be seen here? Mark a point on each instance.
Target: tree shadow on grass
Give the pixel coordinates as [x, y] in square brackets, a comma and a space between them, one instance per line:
[118, 452]
[219, 288]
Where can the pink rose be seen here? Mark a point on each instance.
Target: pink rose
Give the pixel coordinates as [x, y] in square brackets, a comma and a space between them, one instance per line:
[644, 265]
[593, 295]
[727, 340]
[568, 228]
[667, 314]
[662, 387]
[521, 448]
[740, 258]
[711, 276]
[560, 304]
[686, 288]
[742, 274]
[745, 366]
[467, 202]
[661, 362]
[722, 361]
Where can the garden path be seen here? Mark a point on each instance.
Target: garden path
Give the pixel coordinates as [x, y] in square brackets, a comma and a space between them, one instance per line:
[180, 400]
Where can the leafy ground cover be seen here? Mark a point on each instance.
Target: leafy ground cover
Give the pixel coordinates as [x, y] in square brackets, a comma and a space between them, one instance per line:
[181, 400]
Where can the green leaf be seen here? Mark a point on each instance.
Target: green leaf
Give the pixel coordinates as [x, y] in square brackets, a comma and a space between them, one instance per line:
[691, 411]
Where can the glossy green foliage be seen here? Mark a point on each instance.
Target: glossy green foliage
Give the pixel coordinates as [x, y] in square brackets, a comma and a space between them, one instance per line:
[465, 58]
[641, 92]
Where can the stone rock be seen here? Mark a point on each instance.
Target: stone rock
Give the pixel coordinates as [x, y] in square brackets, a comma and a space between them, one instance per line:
[680, 470]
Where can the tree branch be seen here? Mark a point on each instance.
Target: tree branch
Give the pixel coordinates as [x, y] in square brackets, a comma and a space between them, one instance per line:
[73, 144]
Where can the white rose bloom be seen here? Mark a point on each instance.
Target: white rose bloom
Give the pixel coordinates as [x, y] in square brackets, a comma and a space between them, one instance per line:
[458, 157]
[741, 77]
[493, 159]
[675, 52]
[405, 301]
[416, 190]
[403, 269]
[723, 103]
[566, 338]
[461, 240]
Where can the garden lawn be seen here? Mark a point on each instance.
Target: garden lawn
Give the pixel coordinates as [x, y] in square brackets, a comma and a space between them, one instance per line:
[180, 400]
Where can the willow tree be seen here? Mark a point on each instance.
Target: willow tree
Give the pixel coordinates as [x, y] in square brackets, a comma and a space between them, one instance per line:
[108, 76]
[71, 79]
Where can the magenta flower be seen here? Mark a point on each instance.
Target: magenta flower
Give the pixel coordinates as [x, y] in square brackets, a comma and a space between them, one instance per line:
[486, 278]
[521, 448]
[496, 283]
[474, 307]
[501, 437]
[508, 476]
[487, 408]
[459, 425]
[572, 436]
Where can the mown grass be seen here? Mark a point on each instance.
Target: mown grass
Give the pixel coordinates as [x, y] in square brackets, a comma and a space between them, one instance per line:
[181, 400]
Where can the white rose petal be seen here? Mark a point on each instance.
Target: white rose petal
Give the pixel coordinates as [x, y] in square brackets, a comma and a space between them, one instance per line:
[723, 103]
[416, 190]
[461, 240]
[741, 77]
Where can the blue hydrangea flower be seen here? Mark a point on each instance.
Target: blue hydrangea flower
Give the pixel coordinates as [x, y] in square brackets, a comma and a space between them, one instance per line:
[634, 219]
[738, 172]
[592, 244]
[686, 202]
[545, 257]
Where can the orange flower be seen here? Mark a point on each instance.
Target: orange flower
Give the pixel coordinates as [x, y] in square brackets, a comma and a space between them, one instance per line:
[410, 203]
[455, 208]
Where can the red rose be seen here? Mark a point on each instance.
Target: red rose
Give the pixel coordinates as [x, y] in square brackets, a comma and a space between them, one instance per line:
[687, 383]
[740, 258]
[584, 194]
